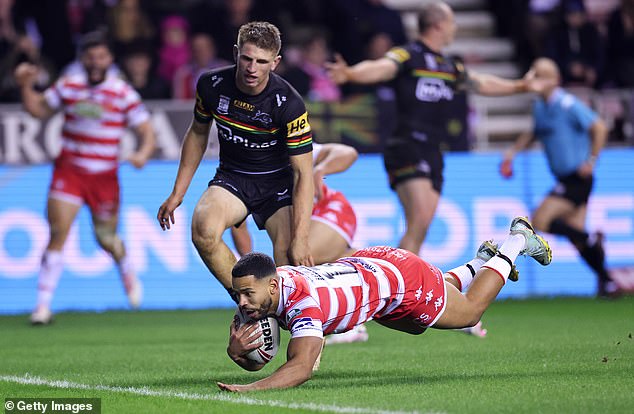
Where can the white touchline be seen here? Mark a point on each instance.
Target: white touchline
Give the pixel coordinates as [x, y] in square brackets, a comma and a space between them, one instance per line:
[230, 398]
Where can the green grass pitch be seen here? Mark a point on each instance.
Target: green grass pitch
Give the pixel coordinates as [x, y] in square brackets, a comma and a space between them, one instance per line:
[543, 355]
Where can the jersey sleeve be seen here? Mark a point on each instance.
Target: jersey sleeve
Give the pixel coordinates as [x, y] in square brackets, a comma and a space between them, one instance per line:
[299, 136]
[462, 76]
[399, 55]
[202, 109]
[135, 110]
[304, 319]
[582, 114]
[53, 94]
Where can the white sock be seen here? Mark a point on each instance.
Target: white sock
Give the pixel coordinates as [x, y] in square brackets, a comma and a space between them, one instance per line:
[125, 266]
[50, 272]
[511, 248]
[513, 245]
[464, 274]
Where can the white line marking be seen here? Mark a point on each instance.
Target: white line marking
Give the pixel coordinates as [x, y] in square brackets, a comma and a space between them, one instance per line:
[27, 379]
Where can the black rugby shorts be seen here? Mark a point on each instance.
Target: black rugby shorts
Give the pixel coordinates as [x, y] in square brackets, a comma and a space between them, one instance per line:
[263, 195]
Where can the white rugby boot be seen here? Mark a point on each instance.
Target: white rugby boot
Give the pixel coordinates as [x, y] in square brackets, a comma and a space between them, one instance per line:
[41, 315]
[536, 246]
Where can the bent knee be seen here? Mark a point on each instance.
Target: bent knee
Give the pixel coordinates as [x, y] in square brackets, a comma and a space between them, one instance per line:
[205, 235]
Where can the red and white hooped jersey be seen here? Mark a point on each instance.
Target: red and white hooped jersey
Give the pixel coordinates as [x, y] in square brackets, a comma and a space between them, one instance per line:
[378, 282]
[95, 118]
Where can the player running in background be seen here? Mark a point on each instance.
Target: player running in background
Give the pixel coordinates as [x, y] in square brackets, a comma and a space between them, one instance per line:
[394, 287]
[265, 156]
[97, 108]
[424, 80]
[573, 136]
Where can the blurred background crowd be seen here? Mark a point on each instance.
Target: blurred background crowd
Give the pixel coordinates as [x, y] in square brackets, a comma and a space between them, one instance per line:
[162, 46]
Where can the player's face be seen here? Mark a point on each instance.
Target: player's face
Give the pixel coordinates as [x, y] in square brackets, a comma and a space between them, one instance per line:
[96, 61]
[253, 67]
[255, 296]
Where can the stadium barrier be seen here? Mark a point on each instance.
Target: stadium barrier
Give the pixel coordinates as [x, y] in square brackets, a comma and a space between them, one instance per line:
[477, 204]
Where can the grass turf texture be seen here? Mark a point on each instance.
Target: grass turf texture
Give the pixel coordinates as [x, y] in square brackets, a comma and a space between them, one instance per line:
[560, 355]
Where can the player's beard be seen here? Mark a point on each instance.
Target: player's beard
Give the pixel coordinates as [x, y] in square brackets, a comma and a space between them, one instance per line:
[95, 75]
[262, 311]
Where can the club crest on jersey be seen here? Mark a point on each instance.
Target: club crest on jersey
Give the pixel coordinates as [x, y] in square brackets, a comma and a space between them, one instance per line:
[223, 104]
[262, 117]
[243, 105]
[430, 61]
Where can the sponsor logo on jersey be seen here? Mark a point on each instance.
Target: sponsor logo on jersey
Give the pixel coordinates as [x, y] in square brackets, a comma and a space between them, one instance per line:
[298, 126]
[243, 105]
[226, 134]
[223, 104]
[292, 313]
[88, 109]
[433, 90]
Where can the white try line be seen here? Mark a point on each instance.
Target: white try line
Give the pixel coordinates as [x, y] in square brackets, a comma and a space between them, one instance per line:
[224, 397]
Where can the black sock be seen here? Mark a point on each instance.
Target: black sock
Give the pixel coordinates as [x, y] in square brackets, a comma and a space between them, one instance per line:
[595, 258]
[576, 237]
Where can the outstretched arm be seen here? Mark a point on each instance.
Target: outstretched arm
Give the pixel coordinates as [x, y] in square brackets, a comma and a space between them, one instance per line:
[301, 356]
[367, 72]
[491, 85]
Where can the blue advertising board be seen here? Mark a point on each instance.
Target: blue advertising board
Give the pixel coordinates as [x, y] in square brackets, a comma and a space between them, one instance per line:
[477, 204]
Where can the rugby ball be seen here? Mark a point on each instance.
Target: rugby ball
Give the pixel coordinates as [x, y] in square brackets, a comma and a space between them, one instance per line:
[270, 329]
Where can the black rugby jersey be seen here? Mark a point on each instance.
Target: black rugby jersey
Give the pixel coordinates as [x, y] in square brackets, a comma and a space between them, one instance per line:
[257, 134]
[425, 87]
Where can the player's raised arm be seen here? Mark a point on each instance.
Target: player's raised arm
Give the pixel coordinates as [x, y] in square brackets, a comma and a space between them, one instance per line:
[301, 356]
[365, 72]
[34, 102]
